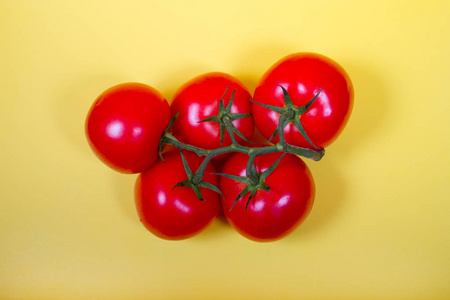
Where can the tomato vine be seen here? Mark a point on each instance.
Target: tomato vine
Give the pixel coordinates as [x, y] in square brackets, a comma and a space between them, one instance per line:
[253, 180]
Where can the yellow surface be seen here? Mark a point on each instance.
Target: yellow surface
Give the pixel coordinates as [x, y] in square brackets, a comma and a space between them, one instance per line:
[380, 227]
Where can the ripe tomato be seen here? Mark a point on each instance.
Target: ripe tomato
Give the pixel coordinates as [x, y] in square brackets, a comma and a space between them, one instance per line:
[303, 75]
[125, 124]
[199, 99]
[273, 214]
[175, 214]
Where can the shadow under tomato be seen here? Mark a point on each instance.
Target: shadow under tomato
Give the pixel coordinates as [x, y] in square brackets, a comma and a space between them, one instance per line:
[371, 107]
[215, 231]
[123, 185]
[330, 200]
[70, 108]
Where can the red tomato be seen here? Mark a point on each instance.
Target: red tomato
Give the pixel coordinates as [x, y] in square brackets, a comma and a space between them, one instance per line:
[175, 214]
[199, 98]
[125, 124]
[273, 214]
[303, 75]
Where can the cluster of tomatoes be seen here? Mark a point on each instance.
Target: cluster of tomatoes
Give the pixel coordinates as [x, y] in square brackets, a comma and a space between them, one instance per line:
[126, 123]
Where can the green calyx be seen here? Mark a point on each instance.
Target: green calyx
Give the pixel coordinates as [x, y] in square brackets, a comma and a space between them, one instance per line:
[225, 118]
[192, 181]
[290, 114]
[254, 182]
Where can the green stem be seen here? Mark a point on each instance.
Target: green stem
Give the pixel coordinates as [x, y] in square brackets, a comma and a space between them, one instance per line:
[210, 155]
[305, 152]
[282, 146]
[249, 169]
[252, 154]
[171, 140]
[281, 125]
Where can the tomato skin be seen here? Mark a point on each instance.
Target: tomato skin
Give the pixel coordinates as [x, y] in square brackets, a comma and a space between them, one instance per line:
[124, 126]
[303, 75]
[175, 214]
[198, 99]
[271, 215]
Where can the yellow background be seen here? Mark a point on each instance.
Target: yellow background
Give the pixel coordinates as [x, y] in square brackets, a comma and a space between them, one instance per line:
[380, 227]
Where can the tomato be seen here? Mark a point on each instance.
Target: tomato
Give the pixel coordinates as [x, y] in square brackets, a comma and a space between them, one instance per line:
[125, 124]
[303, 75]
[175, 214]
[199, 99]
[273, 214]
